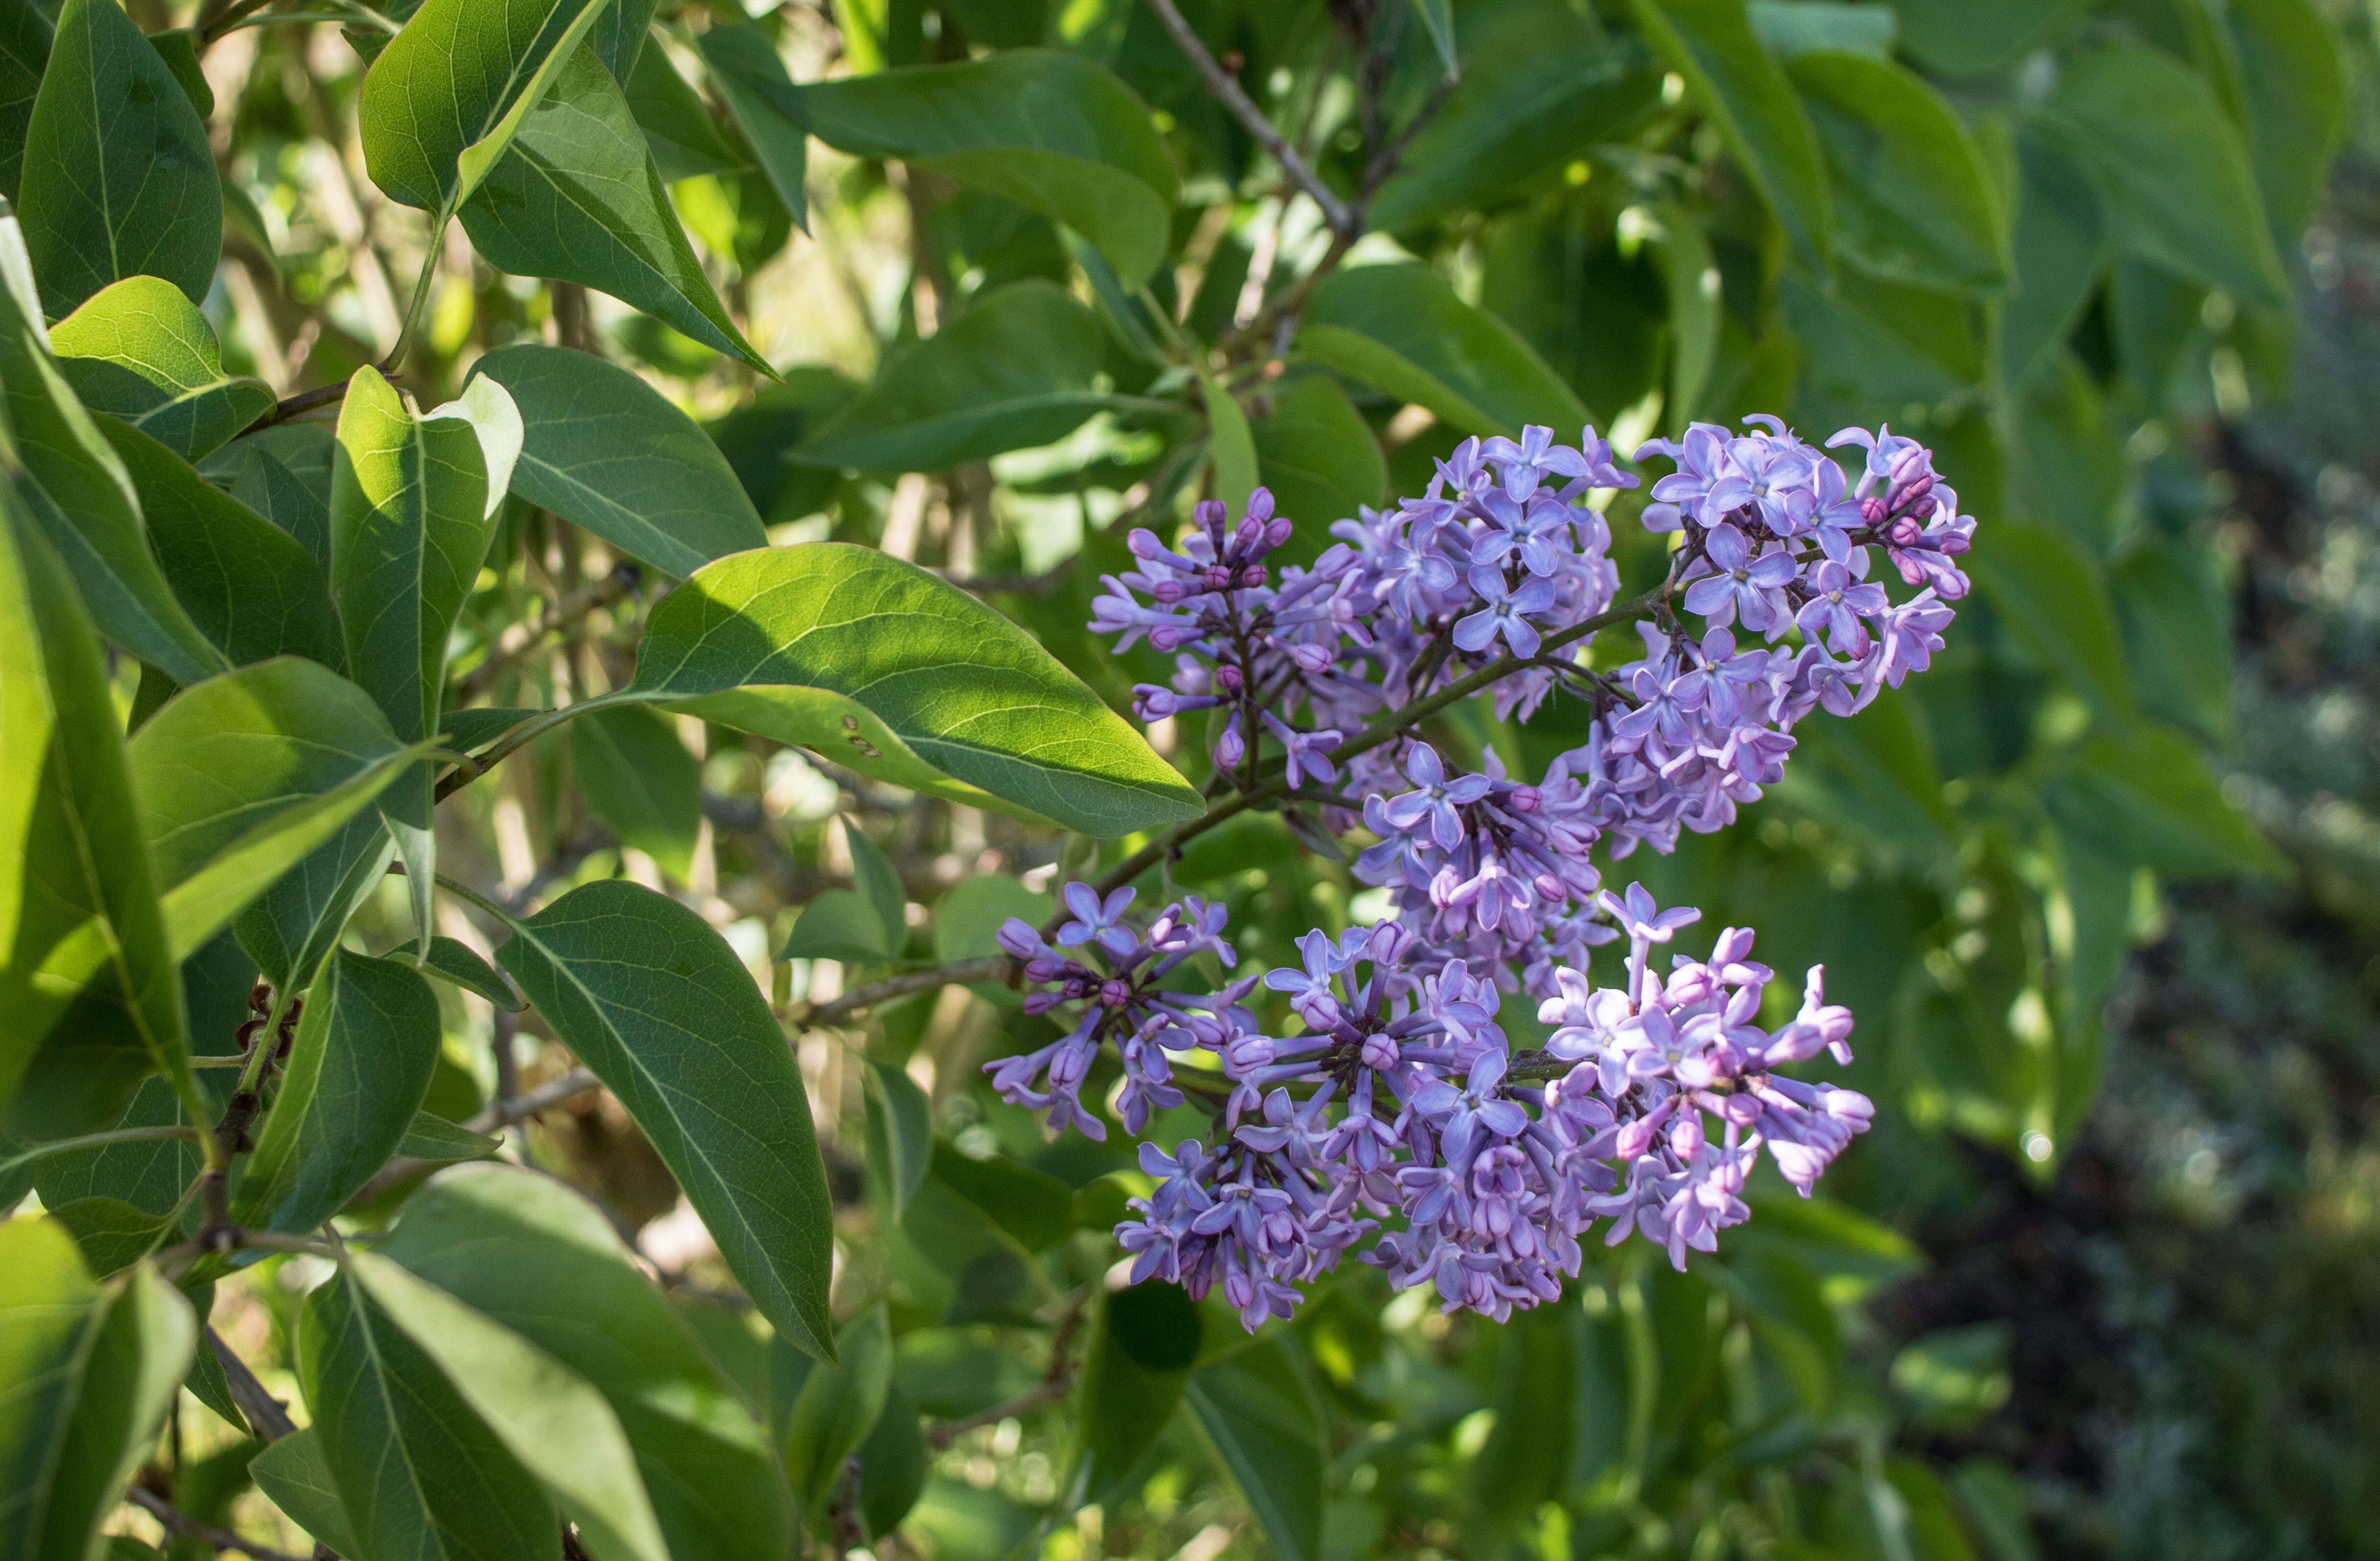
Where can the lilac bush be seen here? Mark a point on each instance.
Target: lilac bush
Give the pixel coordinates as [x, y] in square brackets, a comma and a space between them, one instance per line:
[1395, 1121]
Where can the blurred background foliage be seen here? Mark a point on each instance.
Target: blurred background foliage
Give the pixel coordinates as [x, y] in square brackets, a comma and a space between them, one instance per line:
[2101, 887]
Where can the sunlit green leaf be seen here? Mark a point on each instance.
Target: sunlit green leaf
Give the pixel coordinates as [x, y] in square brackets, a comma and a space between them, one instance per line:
[140, 350]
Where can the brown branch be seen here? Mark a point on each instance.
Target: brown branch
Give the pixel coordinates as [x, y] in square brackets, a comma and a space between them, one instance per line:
[267, 1416]
[504, 1113]
[992, 967]
[1342, 218]
[297, 405]
[176, 1521]
[1055, 1384]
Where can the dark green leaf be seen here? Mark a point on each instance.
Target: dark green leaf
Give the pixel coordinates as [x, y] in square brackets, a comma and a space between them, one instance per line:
[577, 199]
[658, 1005]
[900, 1132]
[1051, 132]
[837, 1407]
[140, 350]
[1319, 458]
[838, 924]
[878, 882]
[74, 869]
[746, 69]
[892, 1465]
[901, 675]
[1732, 79]
[1259, 1411]
[112, 1234]
[1035, 1209]
[2176, 618]
[435, 1138]
[461, 75]
[2148, 794]
[2054, 594]
[678, 129]
[1438, 19]
[71, 483]
[1013, 372]
[604, 450]
[1912, 201]
[367, 1045]
[622, 34]
[241, 777]
[1788, 28]
[87, 1373]
[298, 922]
[453, 962]
[1526, 1459]
[2296, 91]
[1957, 38]
[1401, 329]
[416, 1473]
[117, 177]
[26, 28]
[535, 1256]
[2059, 251]
[250, 587]
[271, 488]
[293, 1473]
[1541, 87]
[1692, 282]
[634, 772]
[1134, 1374]
[2177, 183]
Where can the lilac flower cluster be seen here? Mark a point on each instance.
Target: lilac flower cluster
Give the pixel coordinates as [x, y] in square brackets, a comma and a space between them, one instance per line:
[1394, 1120]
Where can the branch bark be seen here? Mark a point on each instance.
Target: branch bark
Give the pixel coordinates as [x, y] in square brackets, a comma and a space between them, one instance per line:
[1342, 218]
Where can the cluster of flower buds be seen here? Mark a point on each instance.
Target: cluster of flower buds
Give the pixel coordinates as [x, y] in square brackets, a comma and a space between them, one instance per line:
[1393, 1120]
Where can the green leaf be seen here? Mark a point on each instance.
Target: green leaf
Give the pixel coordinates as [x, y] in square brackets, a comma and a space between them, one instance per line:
[1319, 458]
[548, 1416]
[534, 1256]
[243, 775]
[578, 200]
[140, 350]
[1692, 281]
[250, 587]
[2058, 249]
[1790, 29]
[893, 1462]
[666, 1014]
[1956, 38]
[413, 508]
[678, 129]
[1013, 372]
[87, 1373]
[900, 1132]
[1438, 20]
[751, 77]
[111, 1233]
[1134, 1374]
[1874, 775]
[898, 674]
[73, 485]
[2053, 593]
[838, 924]
[634, 772]
[416, 1472]
[455, 962]
[294, 1475]
[1230, 446]
[272, 488]
[1051, 132]
[1542, 85]
[79, 911]
[2177, 619]
[837, 1407]
[2178, 184]
[25, 33]
[2296, 87]
[1035, 1209]
[621, 33]
[117, 177]
[1912, 201]
[604, 450]
[367, 1045]
[1401, 329]
[1732, 79]
[878, 882]
[460, 75]
[435, 1138]
[1260, 1412]
[291, 929]
[2147, 793]
[969, 917]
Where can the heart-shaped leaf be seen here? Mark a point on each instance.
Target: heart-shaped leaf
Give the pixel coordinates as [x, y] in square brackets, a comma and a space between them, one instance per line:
[140, 350]
[846, 650]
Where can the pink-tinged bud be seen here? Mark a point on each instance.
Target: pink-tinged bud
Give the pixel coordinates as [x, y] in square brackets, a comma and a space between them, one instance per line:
[1525, 799]
[1170, 591]
[1042, 1002]
[1954, 543]
[1114, 994]
[1914, 493]
[1636, 1137]
[1247, 532]
[1277, 531]
[1209, 515]
[1904, 531]
[1165, 638]
[1144, 542]
[1872, 510]
[1230, 679]
[1252, 576]
[1217, 579]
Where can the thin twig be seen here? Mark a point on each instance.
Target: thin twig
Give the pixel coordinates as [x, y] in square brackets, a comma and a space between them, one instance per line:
[504, 1113]
[179, 1522]
[992, 967]
[942, 1432]
[1342, 218]
[296, 406]
[267, 1416]
[521, 639]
